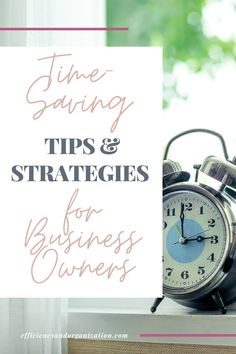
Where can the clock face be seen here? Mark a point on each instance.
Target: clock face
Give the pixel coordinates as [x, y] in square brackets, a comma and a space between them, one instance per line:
[194, 239]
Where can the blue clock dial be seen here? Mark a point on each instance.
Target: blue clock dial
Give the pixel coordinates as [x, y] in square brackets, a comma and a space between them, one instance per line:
[189, 252]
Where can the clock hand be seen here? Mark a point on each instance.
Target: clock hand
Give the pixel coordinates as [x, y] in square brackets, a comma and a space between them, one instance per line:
[199, 233]
[190, 237]
[182, 219]
[199, 238]
[177, 230]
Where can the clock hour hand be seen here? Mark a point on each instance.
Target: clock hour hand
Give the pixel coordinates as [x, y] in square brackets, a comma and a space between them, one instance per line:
[192, 237]
[199, 233]
[199, 238]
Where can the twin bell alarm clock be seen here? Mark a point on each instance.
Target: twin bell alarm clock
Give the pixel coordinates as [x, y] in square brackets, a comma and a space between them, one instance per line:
[199, 232]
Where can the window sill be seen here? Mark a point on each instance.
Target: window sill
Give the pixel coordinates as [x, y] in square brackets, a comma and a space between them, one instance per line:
[169, 318]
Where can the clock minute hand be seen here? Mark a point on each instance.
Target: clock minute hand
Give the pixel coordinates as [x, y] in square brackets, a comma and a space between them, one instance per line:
[182, 220]
[182, 239]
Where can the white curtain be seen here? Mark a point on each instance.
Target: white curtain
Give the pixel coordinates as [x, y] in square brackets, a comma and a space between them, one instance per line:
[33, 326]
[52, 13]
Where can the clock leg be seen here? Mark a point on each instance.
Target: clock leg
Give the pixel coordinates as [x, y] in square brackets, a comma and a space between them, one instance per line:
[219, 302]
[156, 303]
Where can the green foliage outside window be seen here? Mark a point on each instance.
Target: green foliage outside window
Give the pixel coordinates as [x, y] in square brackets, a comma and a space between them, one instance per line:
[174, 24]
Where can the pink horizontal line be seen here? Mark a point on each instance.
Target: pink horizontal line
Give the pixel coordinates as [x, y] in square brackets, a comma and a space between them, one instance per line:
[64, 28]
[187, 334]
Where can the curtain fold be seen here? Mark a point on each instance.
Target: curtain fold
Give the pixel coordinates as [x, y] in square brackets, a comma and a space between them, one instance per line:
[33, 326]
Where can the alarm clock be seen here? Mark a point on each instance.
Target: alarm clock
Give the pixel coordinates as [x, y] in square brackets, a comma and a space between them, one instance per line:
[199, 232]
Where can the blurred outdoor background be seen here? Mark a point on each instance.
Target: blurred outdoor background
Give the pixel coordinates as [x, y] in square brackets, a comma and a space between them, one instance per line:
[199, 43]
